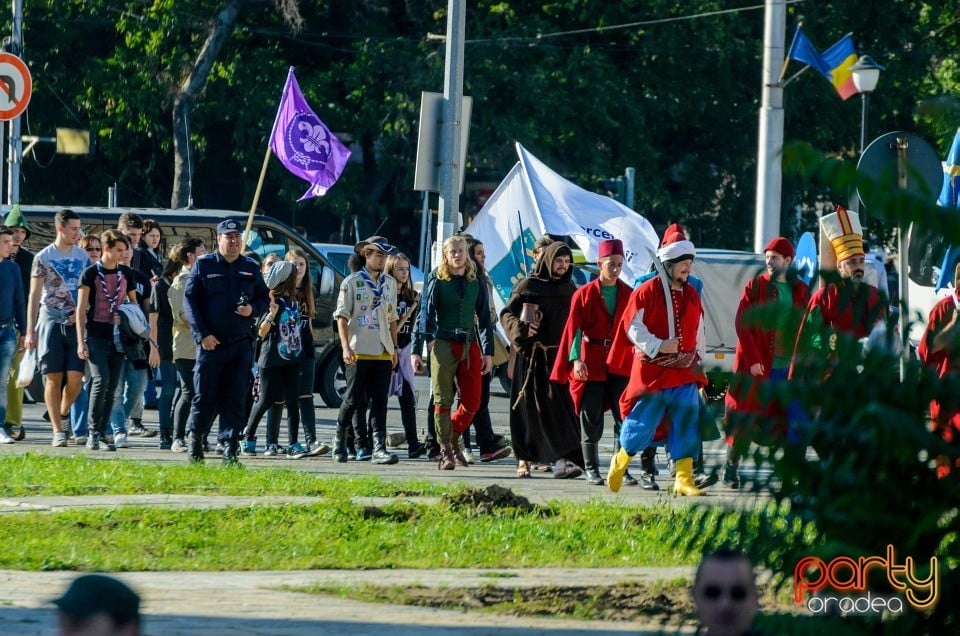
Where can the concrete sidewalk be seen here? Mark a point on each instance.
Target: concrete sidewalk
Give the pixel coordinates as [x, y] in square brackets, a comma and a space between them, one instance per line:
[249, 603]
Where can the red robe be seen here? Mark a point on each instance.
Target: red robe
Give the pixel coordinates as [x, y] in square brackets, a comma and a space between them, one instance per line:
[755, 344]
[626, 359]
[837, 308]
[589, 314]
[947, 423]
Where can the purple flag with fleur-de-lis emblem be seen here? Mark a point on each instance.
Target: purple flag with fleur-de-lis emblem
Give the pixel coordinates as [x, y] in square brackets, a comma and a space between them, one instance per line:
[304, 144]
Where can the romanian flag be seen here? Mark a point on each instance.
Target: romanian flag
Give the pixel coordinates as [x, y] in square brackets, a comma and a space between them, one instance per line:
[838, 59]
[803, 50]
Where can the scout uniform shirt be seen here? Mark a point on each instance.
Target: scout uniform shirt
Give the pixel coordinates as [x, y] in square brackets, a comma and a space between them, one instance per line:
[369, 307]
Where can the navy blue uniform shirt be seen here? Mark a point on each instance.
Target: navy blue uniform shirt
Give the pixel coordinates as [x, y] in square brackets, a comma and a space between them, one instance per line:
[214, 287]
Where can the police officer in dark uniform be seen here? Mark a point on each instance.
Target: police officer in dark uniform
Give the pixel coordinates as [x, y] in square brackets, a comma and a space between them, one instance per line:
[223, 296]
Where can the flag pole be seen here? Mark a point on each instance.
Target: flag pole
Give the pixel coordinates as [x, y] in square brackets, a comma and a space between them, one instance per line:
[786, 60]
[256, 196]
[793, 77]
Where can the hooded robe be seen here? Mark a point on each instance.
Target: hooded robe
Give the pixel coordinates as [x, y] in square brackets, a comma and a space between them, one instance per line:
[543, 424]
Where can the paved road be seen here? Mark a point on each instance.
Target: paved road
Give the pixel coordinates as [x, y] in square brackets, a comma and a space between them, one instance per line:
[541, 487]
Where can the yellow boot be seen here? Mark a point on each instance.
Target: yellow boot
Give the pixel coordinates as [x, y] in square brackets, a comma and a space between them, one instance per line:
[618, 466]
[684, 484]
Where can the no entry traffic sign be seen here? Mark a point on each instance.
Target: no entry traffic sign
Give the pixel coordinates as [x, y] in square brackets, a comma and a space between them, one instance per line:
[15, 86]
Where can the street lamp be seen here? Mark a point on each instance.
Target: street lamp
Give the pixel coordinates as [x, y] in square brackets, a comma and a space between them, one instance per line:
[866, 74]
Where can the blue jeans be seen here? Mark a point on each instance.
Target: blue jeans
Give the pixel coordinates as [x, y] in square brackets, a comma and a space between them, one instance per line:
[128, 397]
[79, 410]
[8, 349]
[168, 389]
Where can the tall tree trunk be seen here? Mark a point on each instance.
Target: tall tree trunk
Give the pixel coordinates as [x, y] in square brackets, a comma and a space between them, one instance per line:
[190, 89]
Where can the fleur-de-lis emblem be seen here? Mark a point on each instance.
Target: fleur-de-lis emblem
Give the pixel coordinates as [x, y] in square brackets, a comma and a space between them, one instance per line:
[313, 137]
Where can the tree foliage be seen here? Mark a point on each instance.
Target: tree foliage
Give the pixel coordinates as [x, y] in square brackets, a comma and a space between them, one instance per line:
[676, 98]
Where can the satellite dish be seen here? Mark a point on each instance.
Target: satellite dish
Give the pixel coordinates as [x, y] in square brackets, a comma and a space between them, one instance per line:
[879, 163]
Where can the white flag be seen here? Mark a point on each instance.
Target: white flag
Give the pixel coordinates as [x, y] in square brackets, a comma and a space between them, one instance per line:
[507, 225]
[588, 217]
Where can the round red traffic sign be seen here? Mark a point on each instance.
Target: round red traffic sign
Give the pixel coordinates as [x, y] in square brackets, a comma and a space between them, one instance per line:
[16, 86]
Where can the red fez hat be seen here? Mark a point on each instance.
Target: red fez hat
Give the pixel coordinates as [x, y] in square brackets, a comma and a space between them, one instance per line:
[610, 247]
[781, 246]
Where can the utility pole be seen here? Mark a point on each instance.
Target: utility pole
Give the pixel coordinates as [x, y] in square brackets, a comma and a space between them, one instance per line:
[770, 142]
[16, 143]
[450, 141]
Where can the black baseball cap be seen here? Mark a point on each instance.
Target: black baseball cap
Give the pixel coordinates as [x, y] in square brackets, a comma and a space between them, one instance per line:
[228, 226]
[93, 594]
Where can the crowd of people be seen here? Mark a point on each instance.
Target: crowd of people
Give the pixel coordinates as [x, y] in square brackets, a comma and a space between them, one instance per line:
[227, 337]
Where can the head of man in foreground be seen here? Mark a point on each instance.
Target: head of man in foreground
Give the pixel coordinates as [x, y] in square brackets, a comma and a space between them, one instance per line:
[99, 605]
[725, 593]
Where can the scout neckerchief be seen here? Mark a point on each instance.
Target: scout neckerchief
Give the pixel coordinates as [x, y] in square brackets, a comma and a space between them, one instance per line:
[375, 287]
[112, 298]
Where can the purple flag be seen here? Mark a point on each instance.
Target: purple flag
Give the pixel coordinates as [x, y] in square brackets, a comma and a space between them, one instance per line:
[304, 144]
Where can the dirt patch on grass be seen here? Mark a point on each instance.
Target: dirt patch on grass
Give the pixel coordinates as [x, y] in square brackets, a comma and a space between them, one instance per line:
[664, 603]
[651, 604]
[491, 500]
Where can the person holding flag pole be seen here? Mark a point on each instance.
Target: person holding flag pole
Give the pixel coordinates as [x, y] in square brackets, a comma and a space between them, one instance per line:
[304, 145]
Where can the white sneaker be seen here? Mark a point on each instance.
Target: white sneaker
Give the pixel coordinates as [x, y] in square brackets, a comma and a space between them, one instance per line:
[120, 440]
[468, 455]
[4, 438]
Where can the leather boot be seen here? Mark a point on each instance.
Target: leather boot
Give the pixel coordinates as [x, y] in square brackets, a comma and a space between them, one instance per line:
[380, 454]
[648, 469]
[730, 477]
[458, 455]
[591, 457]
[340, 445]
[447, 461]
[684, 483]
[230, 451]
[701, 477]
[195, 443]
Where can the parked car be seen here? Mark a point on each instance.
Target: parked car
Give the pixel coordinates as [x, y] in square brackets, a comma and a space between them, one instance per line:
[268, 235]
[339, 255]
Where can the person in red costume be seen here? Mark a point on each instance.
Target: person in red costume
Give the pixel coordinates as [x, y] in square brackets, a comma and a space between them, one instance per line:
[595, 312]
[660, 345]
[839, 314]
[848, 305]
[767, 321]
[940, 348]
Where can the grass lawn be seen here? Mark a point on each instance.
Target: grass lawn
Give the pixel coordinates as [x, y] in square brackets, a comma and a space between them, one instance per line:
[466, 528]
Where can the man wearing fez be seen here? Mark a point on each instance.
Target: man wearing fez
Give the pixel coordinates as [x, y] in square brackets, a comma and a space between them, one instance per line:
[767, 320]
[595, 312]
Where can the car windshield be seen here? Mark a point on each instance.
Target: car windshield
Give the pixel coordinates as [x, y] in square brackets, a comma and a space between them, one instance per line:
[339, 260]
